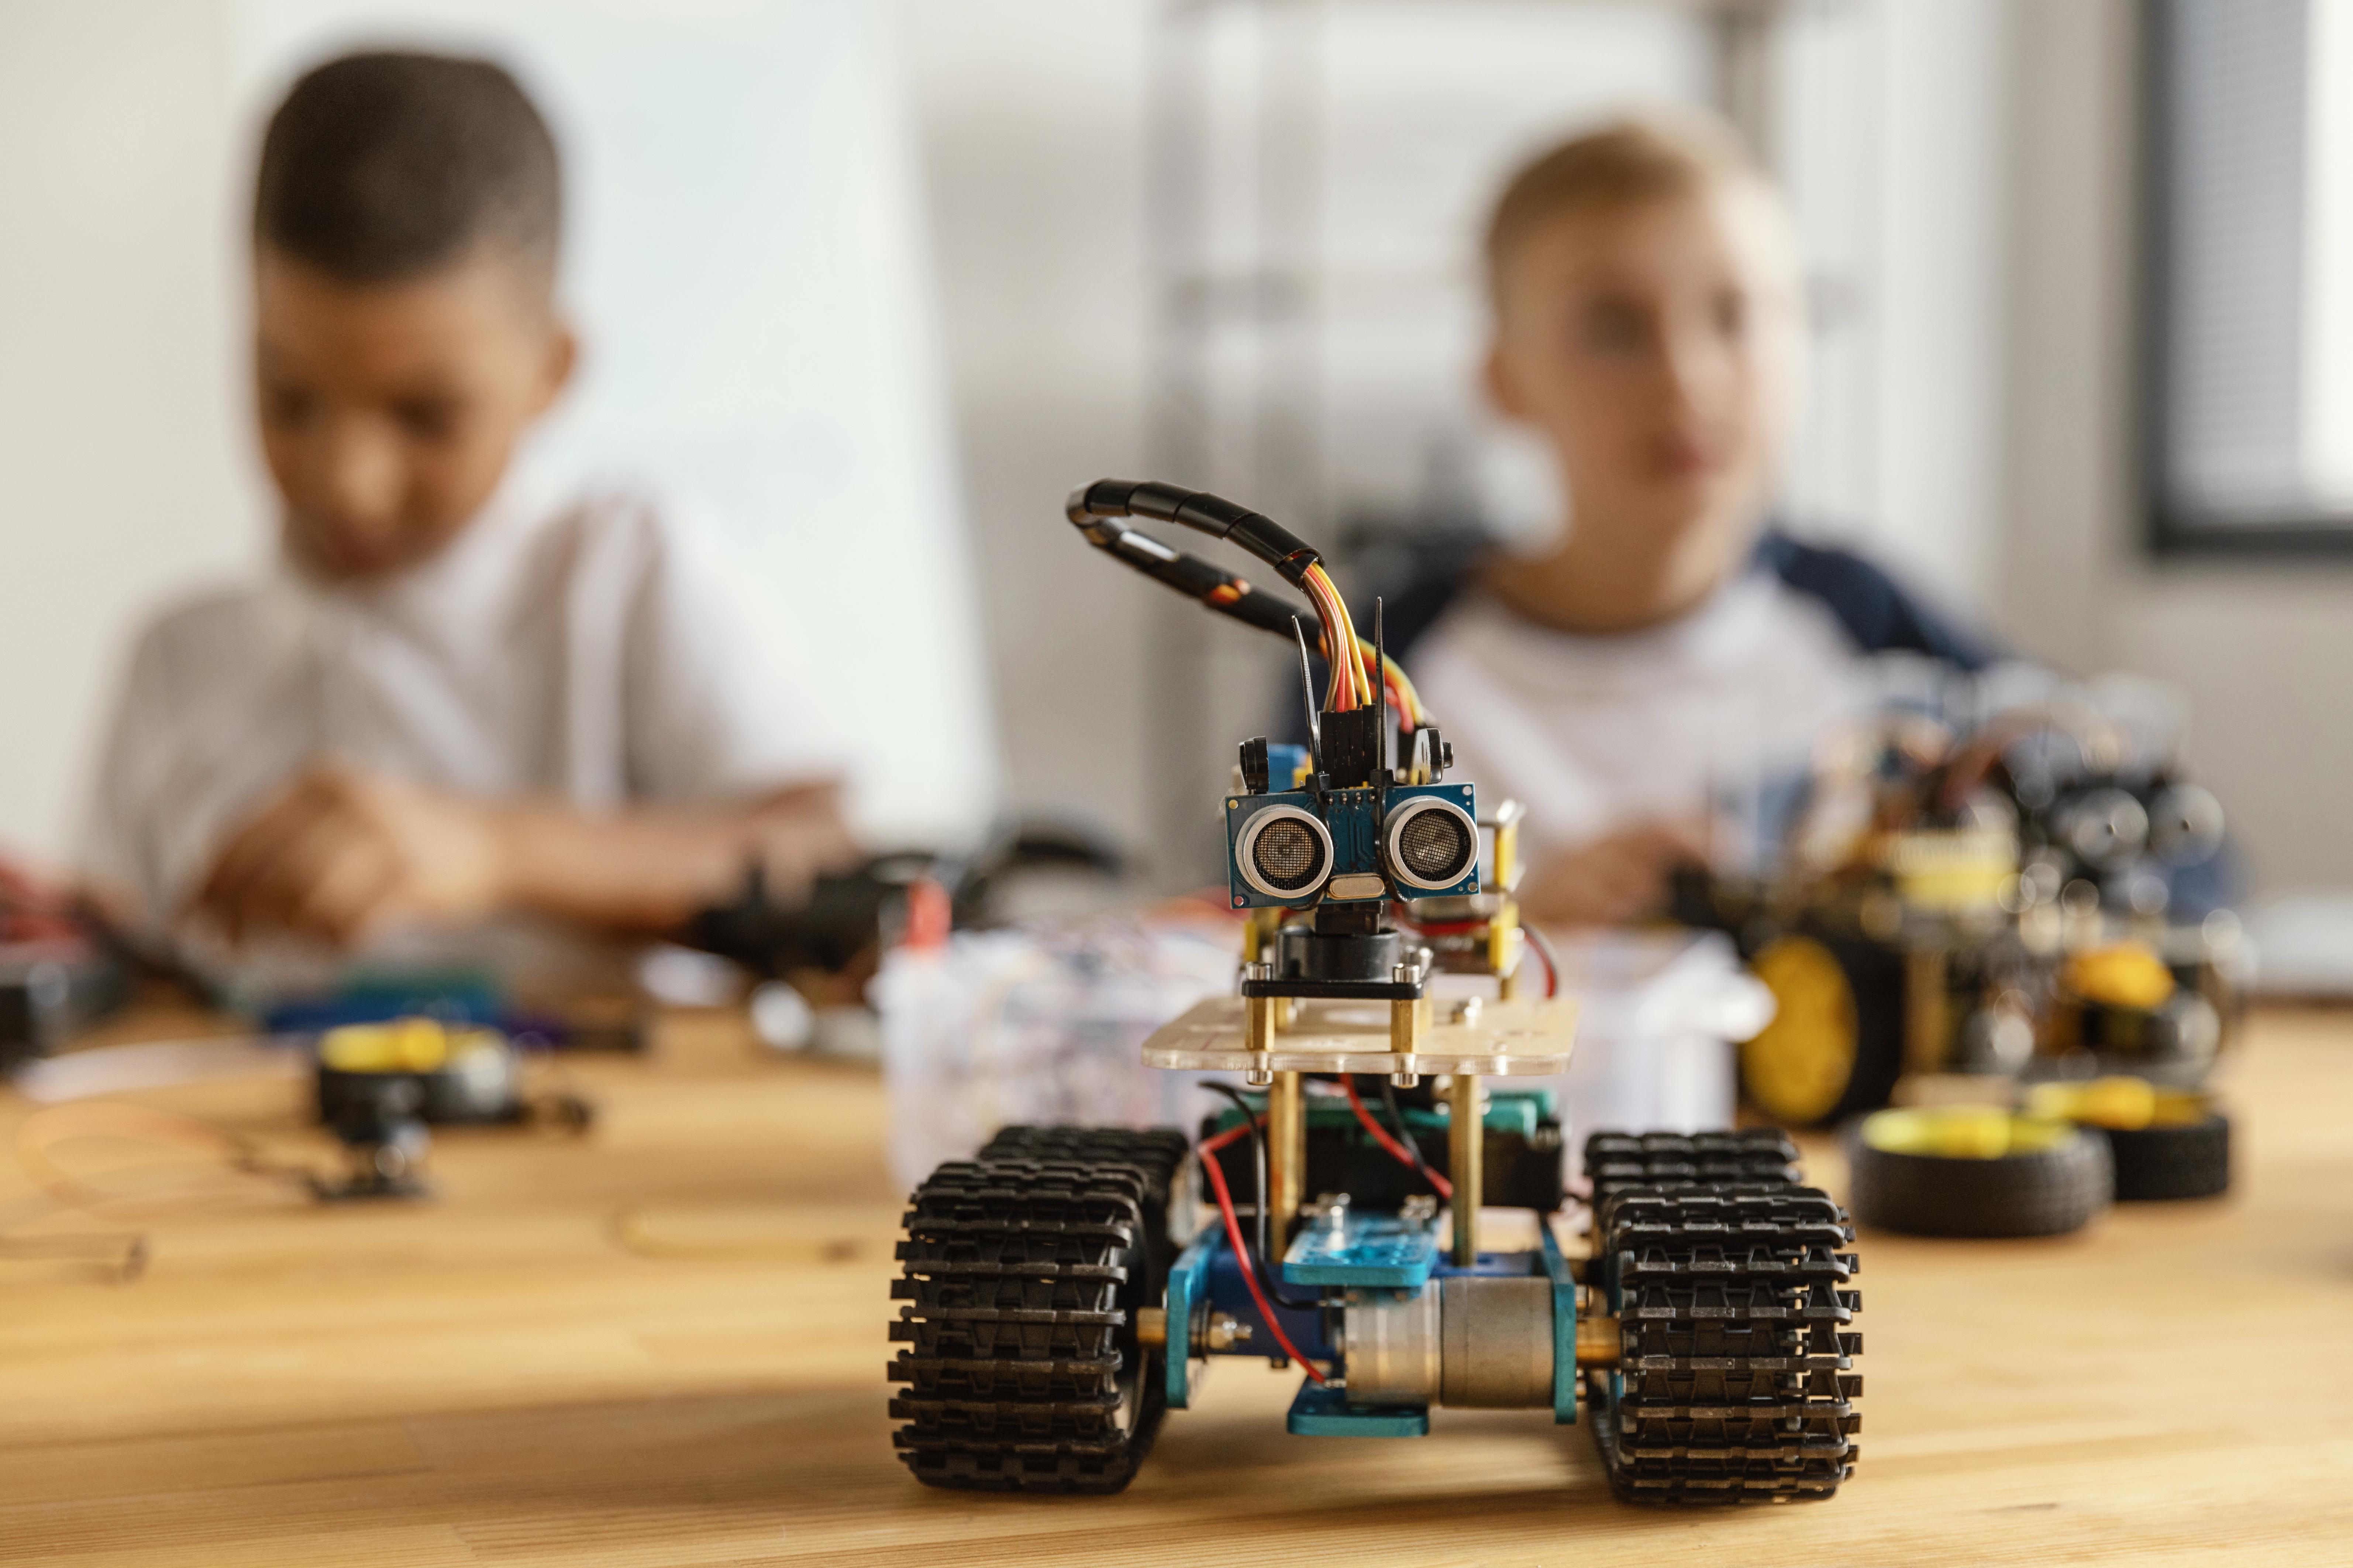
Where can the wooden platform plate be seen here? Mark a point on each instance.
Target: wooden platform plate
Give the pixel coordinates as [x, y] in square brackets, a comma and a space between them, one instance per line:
[1530, 1037]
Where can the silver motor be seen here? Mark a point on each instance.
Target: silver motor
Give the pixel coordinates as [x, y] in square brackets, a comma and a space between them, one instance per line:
[1471, 1342]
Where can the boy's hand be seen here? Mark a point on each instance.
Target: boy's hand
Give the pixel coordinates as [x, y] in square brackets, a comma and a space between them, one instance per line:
[341, 854]
[1616, 879]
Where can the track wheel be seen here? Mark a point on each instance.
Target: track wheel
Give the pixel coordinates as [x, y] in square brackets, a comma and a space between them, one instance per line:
[1736, 1381]
[1023, 1270]
[1976, 1172]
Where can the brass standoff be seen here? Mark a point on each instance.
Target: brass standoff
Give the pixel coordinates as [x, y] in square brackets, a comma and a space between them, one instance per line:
[1465, 1159]
[1286, 1151]
[1407, 1019]
[1261, 1021]
[1599, 1342]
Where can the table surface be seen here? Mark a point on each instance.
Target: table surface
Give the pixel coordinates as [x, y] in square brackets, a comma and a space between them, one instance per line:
[663, 1343]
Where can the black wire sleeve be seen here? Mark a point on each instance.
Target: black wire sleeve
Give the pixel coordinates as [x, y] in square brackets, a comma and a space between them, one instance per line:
[1258, 1150]
[1197, 579]
[1213, 515]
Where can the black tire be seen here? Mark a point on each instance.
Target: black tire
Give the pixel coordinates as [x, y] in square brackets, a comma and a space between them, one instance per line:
[1024, 1269]
[2162, 1164]
[2048, 1192]
[1736, 1382]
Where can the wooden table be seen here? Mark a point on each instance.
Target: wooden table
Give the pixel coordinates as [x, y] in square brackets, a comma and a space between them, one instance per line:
[496, 1378]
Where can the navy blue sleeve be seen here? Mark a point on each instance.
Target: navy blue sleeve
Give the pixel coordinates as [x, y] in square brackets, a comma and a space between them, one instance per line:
[1869, 605]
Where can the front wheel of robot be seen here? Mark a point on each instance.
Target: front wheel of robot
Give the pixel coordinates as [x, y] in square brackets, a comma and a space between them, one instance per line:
[1736, 1382]
[1024, 1268]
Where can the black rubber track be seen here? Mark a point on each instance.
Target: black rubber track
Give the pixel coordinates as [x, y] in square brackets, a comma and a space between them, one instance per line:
[2160, 1164]
[2048, 1193]
[1736, 1381]
[1023, 1269]
[1614, 1161]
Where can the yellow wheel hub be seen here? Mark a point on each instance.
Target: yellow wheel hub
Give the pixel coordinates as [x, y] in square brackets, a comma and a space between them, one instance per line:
[404, 1044]
[2125, 974]
[1962, 1132]
[1800, 1065]
[2120, 1104]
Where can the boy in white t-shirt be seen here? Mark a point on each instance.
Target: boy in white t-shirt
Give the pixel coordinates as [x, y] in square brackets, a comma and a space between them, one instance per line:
[1645, 291]
[462, 697]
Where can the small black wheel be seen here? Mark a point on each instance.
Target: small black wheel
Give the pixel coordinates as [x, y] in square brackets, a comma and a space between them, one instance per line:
[2166, 1144]
[1024, 1269]
[1976, 1173]
[2164, 1162]
[1835, 1046]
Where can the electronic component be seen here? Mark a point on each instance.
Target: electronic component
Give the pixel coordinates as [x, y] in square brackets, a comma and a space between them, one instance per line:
[1061, 1293]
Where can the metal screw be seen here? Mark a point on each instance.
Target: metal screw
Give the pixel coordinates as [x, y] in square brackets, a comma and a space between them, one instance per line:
[1225, 1332]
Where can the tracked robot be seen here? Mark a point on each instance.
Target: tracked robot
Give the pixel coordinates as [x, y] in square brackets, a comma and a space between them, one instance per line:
[1066, 1289]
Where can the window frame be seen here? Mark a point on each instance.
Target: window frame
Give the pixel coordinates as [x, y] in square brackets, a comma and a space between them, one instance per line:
[2172, 529]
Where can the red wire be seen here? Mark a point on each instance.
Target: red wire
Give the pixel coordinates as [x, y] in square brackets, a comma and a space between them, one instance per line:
[1551, 975]
[1381, 1136]
[1241, 1248]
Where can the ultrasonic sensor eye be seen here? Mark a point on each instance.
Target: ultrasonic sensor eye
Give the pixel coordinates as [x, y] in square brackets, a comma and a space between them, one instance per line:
[1284, 853]
[1432, 844]
[1287, 854]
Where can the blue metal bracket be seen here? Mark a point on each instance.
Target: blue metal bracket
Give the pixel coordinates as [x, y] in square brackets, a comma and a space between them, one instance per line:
[1187, 1279]
[1563, 1326]
[1321, 1411]
[1368, 1251]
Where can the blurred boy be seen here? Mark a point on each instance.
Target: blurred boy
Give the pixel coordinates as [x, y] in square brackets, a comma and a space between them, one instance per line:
[462, 696]
[1645, 292]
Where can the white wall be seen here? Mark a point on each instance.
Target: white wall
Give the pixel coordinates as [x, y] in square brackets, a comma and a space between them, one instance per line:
[124, 467]
[2260, 648]
[1031, 123]
[1892, 135]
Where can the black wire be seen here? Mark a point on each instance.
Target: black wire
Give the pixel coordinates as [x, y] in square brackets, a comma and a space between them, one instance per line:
[1258, 1148]
[1405, 1134]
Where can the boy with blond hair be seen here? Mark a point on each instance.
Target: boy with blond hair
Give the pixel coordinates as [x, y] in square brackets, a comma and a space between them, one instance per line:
[1647, 326]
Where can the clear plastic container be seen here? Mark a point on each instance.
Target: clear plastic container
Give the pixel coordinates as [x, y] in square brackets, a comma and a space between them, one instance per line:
[1039, 1024]
[1045, 1023]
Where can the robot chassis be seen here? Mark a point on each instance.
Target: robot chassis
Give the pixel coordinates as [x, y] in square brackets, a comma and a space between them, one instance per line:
[1060, 1297]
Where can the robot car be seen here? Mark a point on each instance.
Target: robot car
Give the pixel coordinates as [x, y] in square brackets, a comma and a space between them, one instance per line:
[1063, 1290]
[1996, 895]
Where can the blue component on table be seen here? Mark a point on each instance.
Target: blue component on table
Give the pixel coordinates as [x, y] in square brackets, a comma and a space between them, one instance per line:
[1367, 1251]
[1321, 1411]
[453, 996]
[1564, 1328]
